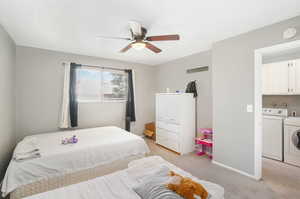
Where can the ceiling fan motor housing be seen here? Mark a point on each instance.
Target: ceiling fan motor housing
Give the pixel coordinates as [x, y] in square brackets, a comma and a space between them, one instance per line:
[141, 37]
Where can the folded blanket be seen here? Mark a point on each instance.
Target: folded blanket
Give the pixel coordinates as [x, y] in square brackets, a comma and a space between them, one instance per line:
[27, 156]
[27, 149]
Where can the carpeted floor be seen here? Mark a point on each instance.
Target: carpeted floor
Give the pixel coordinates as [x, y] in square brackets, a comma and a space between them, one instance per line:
[284, 179]
[280, 181]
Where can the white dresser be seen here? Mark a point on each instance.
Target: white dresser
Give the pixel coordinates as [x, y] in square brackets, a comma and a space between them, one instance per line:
[175, 121]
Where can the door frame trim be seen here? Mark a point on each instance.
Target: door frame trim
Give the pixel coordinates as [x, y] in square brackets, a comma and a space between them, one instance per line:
[258, 55]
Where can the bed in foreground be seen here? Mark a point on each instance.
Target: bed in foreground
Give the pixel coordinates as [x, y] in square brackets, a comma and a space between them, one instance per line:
[121, 184]
[99, 151]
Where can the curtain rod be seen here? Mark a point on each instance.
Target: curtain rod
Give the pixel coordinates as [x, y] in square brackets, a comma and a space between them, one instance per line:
[102, 67]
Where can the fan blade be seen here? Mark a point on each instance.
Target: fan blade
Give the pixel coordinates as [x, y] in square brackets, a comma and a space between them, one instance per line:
[105, 37]
[163, 38]
[152, 48]
[125, 49]
[135, 27]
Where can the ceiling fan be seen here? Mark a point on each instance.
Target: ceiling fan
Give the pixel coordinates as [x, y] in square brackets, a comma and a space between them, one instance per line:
[139, 40]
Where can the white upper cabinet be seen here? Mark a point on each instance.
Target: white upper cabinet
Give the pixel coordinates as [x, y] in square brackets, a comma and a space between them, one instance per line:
[281, 78]
[296, 76]
[266, 81]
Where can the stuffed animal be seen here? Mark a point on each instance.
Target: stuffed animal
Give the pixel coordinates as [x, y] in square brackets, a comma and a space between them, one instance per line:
[71, 140]
[186, 187]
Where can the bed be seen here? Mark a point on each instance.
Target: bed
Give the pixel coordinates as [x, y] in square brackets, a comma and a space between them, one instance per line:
[99, 151]
[120, 184]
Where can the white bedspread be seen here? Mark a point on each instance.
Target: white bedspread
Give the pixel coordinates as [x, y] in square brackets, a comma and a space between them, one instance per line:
[119, 185]
[96, 146]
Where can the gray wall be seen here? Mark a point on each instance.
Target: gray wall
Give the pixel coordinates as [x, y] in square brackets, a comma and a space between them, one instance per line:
[281, 57]
[173, 75]
[39, 93]
[7, 98]
[233, 89]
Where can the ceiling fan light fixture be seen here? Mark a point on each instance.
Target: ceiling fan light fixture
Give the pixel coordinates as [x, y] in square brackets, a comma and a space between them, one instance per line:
[138, 45]
[139, 39]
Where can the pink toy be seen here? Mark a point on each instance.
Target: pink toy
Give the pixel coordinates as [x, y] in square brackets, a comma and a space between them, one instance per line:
[206, 130]
[204, 145]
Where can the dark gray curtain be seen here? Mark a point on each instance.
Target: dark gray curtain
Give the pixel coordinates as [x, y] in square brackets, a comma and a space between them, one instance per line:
[130, 107]
[73, 96]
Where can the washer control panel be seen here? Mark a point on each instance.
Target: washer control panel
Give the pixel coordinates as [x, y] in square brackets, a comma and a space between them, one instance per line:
[275, 112]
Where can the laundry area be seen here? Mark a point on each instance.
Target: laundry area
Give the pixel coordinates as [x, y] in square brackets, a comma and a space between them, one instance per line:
[281, 106]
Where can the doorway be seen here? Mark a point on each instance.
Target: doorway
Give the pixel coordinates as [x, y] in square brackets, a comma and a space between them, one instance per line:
[260, 55]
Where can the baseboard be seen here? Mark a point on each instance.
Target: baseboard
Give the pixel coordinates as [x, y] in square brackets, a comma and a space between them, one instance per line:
[235, 170]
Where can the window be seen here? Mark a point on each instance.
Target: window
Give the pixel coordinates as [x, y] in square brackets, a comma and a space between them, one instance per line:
[88, 85]
[95, 85]
[114, 86]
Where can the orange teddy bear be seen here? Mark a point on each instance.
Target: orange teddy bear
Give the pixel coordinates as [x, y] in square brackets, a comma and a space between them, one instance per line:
[186, 187]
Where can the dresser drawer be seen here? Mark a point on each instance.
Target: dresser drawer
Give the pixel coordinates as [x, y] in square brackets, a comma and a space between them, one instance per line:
[168, 126]
[167, 134]
[168, 143]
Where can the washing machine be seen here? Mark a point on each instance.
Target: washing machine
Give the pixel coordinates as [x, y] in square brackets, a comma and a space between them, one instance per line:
[272, 139]
[292, 140]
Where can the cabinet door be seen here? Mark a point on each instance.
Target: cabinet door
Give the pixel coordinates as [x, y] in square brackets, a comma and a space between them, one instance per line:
[266, 85]
[278, 74]
[295, 68]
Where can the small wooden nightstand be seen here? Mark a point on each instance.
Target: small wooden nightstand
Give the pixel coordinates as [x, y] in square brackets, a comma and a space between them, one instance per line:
[150, 130]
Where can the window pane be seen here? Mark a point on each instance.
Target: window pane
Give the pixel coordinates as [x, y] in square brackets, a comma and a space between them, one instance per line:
[88, 85]
[114, 85]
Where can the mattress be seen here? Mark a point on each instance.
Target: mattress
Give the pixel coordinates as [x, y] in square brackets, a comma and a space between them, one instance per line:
[96, 147]
[119, 184]
[71, 178]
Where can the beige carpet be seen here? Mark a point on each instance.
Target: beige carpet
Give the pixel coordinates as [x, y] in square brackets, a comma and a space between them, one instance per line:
[278, 186]
[284, 179]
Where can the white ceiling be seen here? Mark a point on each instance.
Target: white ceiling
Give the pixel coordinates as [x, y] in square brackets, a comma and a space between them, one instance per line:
[72, 25]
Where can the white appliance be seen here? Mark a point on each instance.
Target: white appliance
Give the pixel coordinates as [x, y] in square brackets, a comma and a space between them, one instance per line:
[292, 141]
[273, 132]
[175, 121]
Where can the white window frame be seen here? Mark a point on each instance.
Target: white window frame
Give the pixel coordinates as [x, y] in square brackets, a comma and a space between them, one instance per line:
[101, 99]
